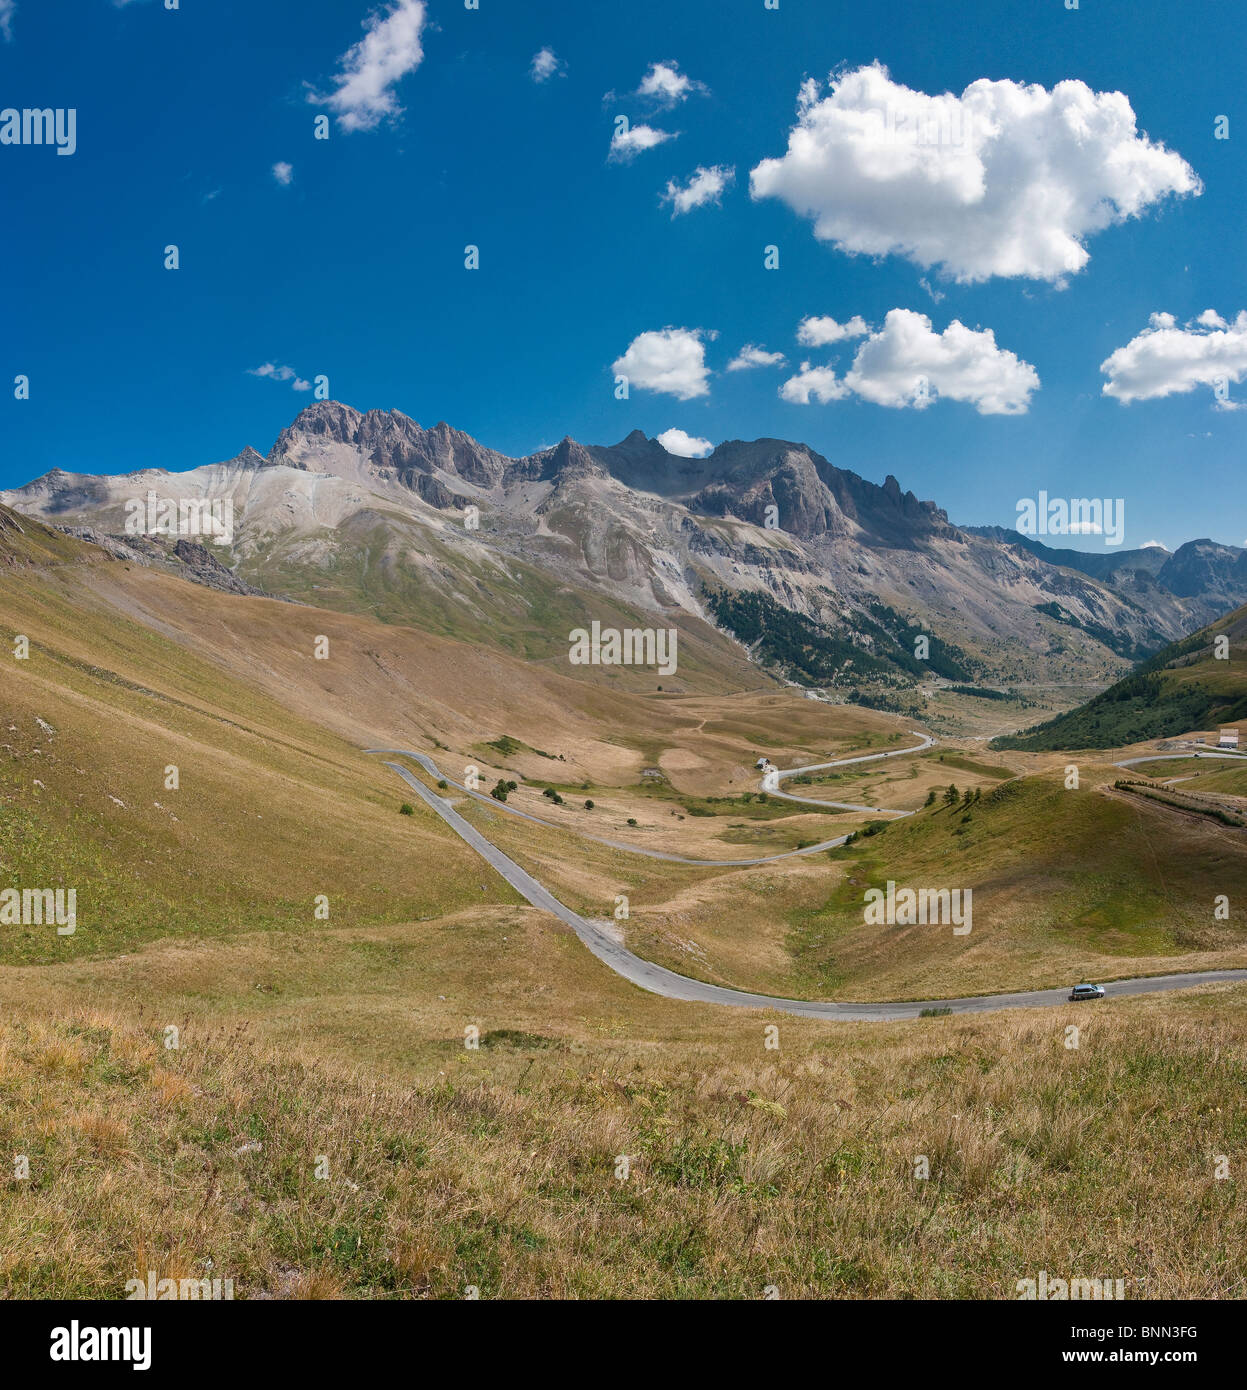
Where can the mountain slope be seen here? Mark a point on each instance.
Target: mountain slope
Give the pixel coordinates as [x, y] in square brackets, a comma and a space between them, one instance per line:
[370, 512]
[1184, 687]
[1200, 580]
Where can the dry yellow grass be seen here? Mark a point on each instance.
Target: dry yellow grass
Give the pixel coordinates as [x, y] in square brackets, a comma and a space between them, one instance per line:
[744, 1168]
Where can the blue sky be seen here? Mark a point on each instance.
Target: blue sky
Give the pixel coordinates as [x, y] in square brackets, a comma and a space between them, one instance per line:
[354, 267]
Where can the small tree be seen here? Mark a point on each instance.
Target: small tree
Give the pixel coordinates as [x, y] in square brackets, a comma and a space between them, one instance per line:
[968, 797]
[406, 809]
[952, 795]
[930, 801]
[588, 805]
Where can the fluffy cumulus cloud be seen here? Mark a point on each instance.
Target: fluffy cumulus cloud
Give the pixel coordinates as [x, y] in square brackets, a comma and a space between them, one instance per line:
[685, 446]
[629, 142]
[665, 85]
[670, 360]
[276, 373]
[1167, 360]
[1005, 179]
[703, 186]
[752, 356]
[370, 69]
[283, 173]
[545, 65]
[907, 363]
[813, 384]
[819, 332]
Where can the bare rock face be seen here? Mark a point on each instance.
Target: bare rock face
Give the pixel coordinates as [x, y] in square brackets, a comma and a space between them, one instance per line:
[136, 550]
[185, 558]
[390, 442]
[203, 567]
[326, 420]
[432, 490]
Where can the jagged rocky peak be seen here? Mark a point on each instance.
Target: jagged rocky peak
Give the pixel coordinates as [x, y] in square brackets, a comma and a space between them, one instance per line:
[302, 443]
[907, 502]
[744, 478]
[249, 458]
[642, 463]
[455, 452]
[770, 482]
[327, 419]
[388, 441]
[568, 460]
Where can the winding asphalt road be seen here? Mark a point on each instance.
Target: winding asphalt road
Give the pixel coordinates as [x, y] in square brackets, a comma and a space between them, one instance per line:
[772, 779]
[658, 980]
[1179, 758]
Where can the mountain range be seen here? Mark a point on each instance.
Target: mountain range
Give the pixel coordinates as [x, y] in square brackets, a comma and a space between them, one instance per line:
[369, 511]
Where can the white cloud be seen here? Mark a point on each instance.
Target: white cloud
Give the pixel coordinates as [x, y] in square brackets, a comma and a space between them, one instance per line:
[371, 68]
[670, 360]
[751, 356]
[818, 332]
[276, 373]
[685, 446]
[627, 144]
[704, 186]
[906, 363]
[545, 65]
[1005, 179]
[1155, 545]
[283, 173]
[8, 8]
[1166, 360]
[666, 85]
[821, 383]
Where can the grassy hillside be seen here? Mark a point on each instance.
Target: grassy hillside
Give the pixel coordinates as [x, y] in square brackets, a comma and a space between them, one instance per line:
[270, 812]
[746, 1169]
[381, 567]
[26, 542]
[1183, 687]
[1066, 885]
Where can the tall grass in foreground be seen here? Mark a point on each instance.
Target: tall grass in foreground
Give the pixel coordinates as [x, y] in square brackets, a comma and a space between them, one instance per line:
[746, 1169]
